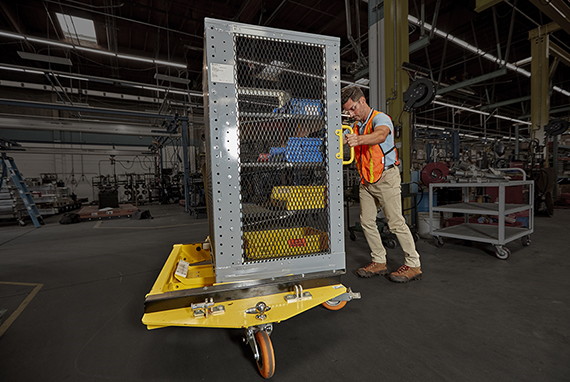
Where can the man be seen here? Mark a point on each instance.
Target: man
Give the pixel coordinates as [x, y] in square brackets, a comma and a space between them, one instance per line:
[376, 160]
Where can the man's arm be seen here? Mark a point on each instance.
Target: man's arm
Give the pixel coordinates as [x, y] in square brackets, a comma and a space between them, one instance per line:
[378, 136]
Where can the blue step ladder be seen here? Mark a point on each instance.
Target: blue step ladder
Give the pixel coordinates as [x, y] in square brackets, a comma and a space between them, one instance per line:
[10, 169]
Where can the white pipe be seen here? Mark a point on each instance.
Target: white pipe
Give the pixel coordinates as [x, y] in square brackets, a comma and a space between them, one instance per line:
[477, 51]
[97, 51]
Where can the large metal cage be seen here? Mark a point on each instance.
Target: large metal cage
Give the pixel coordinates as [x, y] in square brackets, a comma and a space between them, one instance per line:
[272, 105]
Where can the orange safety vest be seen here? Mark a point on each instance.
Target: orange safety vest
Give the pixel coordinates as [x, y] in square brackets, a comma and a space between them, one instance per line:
[370, 158]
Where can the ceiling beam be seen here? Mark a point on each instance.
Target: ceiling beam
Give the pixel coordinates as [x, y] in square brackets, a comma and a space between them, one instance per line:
[504, 103]
[471, 48]
[73, 47]
[93, 93]
[481, 5]
[420, 43]
[557, 10]
[122, 152]
[21, 123]
[85, 109]
[551, 111]
[75, 138]
[559, 52]
[472, 81]
[103, 80]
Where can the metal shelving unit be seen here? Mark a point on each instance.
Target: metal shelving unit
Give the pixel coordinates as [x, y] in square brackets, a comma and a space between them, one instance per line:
[499, 234]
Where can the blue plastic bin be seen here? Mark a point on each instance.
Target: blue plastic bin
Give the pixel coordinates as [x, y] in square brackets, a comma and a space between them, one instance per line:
[424, 203]
[304, 150]
[304, 106]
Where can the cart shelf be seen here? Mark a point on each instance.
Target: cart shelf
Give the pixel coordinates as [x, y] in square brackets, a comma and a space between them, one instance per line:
[497, 234]
[481, 208]
[486, 233]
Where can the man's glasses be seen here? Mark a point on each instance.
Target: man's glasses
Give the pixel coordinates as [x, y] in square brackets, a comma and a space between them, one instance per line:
[354, 107]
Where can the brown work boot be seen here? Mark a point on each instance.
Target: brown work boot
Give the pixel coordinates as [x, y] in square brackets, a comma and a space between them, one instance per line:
[405, 274]
[372, 269]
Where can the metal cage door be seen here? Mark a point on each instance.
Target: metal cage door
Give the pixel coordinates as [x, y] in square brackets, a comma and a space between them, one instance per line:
[272, 99]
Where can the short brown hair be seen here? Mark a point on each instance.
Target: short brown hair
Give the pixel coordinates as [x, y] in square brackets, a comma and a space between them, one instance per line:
[350, 92]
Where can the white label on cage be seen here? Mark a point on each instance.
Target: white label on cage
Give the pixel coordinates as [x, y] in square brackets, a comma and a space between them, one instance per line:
[222, 73]
[182, 268]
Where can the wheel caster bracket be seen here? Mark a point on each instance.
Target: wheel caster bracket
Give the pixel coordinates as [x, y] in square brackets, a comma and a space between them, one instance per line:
[249, 337]
[348, 296]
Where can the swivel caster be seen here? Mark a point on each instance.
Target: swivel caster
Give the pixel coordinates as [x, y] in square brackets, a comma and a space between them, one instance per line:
[502, 252]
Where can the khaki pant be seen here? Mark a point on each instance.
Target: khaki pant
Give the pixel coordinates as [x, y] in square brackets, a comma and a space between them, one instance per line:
[386, 194]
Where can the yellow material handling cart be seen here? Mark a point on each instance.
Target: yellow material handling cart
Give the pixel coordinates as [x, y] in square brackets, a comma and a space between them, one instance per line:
[274, 190]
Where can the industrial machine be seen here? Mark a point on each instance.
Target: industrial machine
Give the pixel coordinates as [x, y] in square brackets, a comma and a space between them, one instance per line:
[274, 187]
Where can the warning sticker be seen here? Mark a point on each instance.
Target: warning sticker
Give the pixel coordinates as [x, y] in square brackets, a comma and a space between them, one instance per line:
[182, 268]
[222, 73]
[297, 242]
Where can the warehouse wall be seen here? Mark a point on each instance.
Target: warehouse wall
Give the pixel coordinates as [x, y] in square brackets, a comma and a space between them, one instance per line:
[78, 170]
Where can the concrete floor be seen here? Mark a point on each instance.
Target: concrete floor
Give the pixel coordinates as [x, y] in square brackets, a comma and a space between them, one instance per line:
[472, 318]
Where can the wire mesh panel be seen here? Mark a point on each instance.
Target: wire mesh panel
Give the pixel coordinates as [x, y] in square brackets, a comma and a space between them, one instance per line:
[275, 194]
[281, 116]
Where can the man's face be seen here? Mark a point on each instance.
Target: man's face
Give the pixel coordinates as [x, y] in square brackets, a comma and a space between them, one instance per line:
[355, 109]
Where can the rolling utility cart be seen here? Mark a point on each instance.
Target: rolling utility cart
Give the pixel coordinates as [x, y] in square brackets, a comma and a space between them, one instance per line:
[484, 228]
[274, 190]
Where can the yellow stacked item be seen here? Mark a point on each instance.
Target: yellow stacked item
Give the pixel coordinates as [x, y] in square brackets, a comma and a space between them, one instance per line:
[299, 197]
[284, 242]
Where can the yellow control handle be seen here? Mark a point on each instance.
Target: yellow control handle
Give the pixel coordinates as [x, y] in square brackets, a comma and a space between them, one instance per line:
[340, 154]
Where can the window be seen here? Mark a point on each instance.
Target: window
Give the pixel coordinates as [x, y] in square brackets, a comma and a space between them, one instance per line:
[77, 29]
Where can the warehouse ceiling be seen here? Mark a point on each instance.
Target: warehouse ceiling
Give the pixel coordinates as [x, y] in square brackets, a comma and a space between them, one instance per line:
[127, 61]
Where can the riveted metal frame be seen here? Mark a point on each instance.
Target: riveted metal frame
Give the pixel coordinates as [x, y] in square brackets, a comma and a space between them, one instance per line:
[223, 163]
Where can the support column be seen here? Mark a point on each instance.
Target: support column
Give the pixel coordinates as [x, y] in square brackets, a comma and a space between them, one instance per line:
[388, 50]
[539, 83]
[376, 69]
[185, 143]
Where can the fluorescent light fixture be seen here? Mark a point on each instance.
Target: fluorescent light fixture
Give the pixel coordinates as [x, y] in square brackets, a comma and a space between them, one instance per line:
[21, 70]
[136, 58]
[469, 136]
[164, 77]
[460, 107]
[181, 92]
[429, 127]
[77, 28]
[13, 35]
[150, 88]
[512, 119]
[481, 112]
[72, 77]
[162, 90]
[49, 42]
[559, 89]
[96, 51]
[168, 63]
[45, 58]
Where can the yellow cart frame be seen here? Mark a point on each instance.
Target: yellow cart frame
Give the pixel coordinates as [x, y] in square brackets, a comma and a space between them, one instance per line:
[185, 294]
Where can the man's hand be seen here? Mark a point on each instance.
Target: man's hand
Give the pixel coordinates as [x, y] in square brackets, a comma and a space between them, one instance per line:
[351, 140]
[377, 136]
